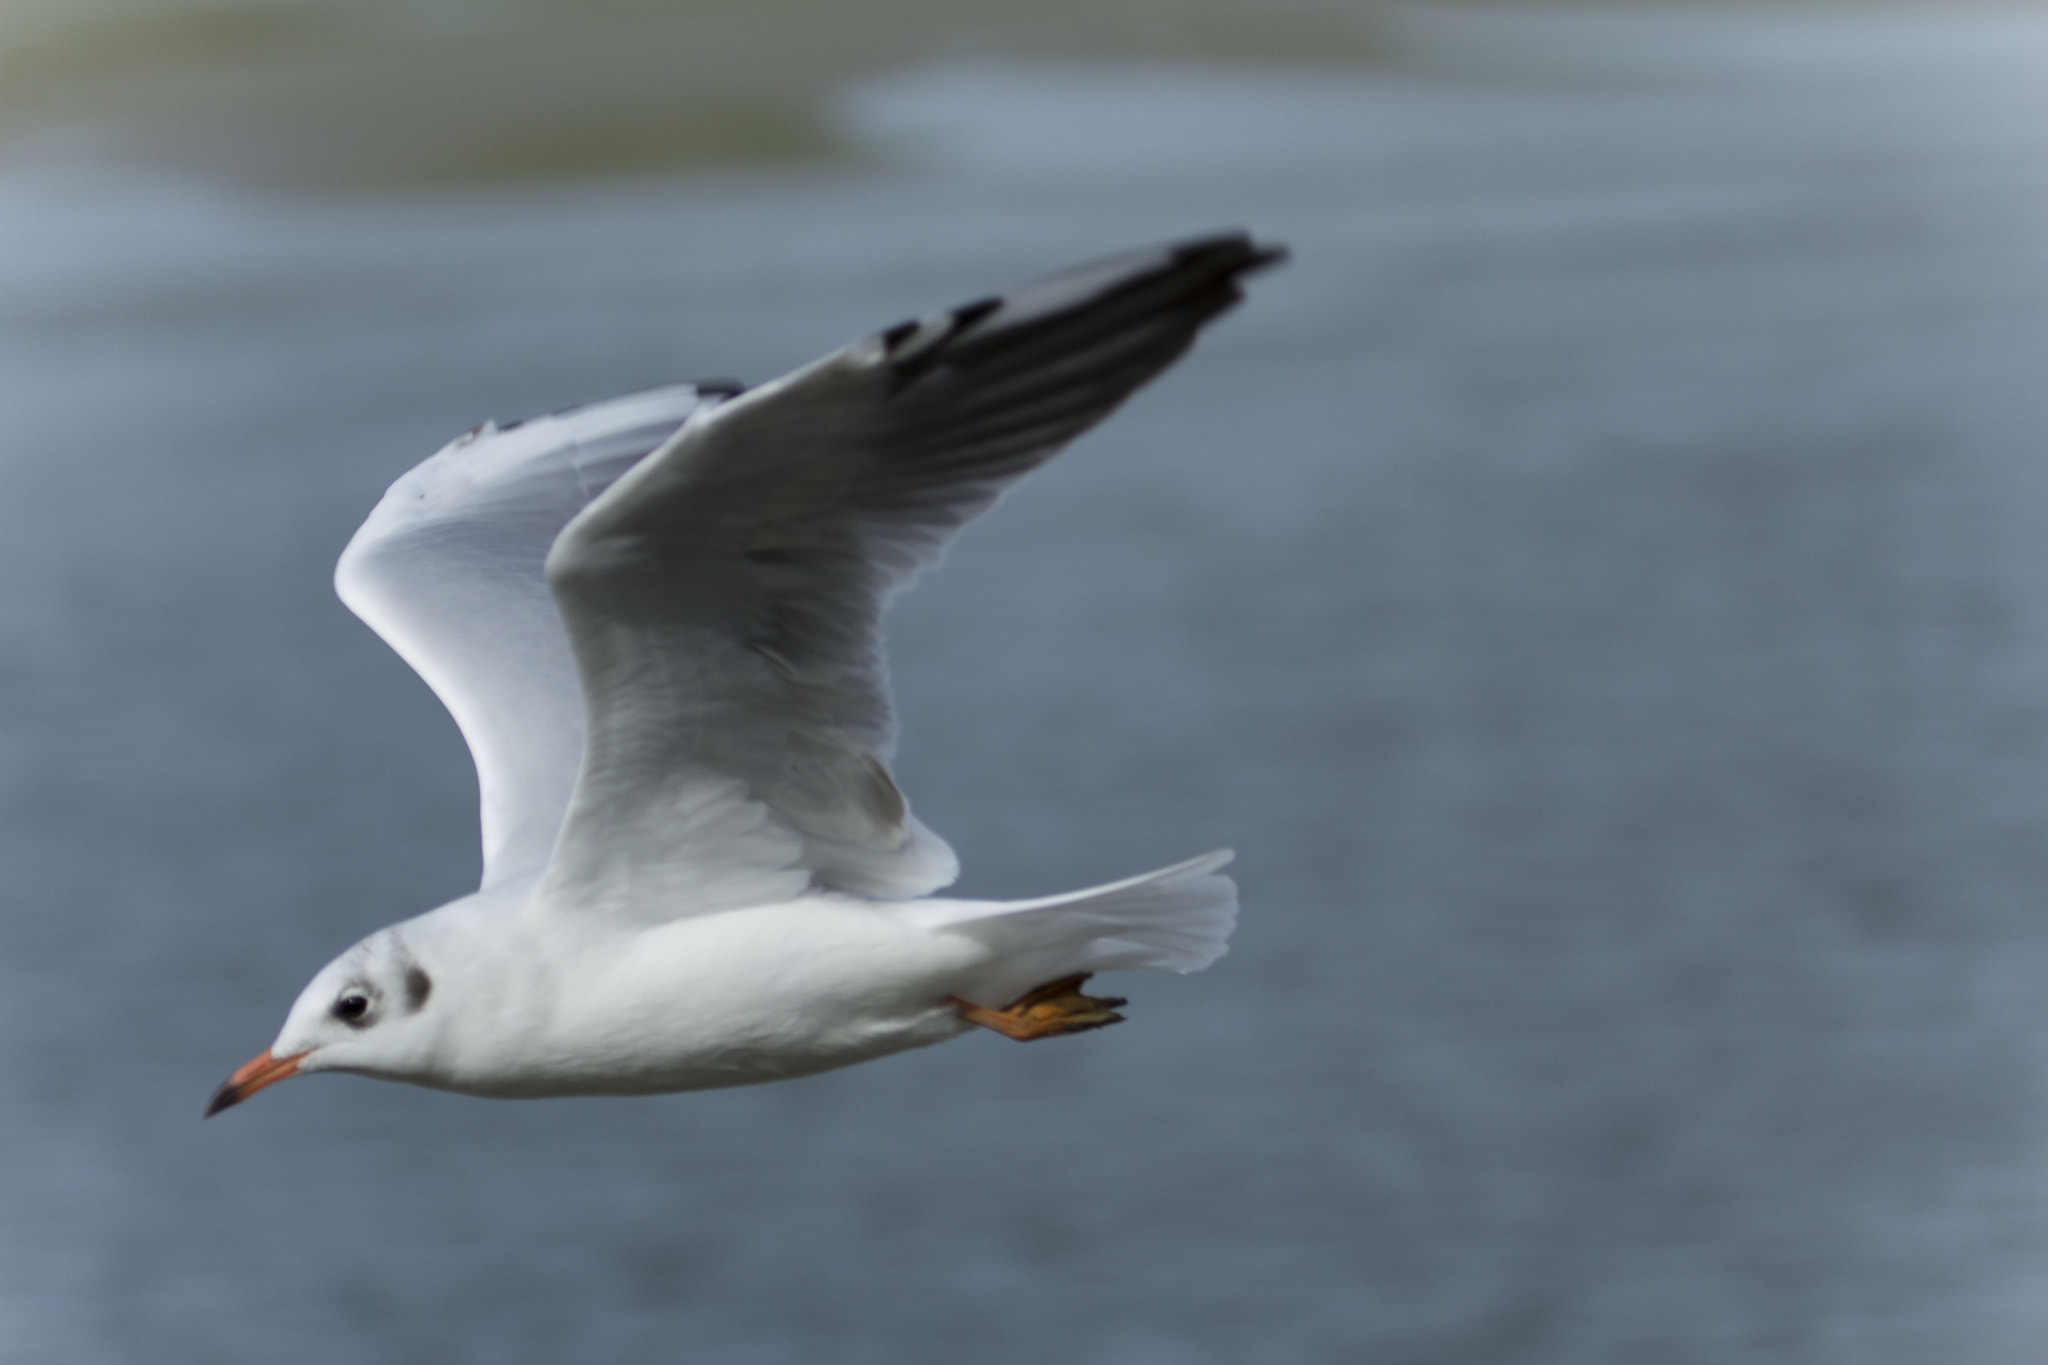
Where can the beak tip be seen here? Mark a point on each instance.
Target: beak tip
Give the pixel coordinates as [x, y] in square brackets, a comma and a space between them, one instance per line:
[264, 1069]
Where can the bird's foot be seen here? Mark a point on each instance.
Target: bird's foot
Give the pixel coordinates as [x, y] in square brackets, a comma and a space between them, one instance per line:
[1054, 1008]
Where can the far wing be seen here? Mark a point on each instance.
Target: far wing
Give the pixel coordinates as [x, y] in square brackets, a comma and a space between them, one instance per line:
[724, 598]
[448, 571]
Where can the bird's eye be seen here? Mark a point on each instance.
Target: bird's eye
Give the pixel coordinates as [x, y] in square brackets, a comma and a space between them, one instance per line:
[351, 1008]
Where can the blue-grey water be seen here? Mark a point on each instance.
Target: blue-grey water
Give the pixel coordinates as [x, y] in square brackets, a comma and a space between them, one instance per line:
[1601, 588]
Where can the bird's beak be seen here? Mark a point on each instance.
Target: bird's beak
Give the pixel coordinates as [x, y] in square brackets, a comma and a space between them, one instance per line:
[252, 1076]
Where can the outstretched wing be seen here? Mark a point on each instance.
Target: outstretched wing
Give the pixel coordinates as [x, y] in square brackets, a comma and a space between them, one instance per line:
[724, 598]
[448, 570]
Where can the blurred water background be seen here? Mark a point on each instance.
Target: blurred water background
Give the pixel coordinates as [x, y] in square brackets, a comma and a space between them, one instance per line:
[1601, 588]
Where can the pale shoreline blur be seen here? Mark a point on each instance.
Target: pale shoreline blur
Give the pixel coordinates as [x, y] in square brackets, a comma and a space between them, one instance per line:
[322, 94]
[318, 94]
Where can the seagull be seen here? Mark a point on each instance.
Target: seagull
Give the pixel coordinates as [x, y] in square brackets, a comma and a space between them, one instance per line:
[657, 622]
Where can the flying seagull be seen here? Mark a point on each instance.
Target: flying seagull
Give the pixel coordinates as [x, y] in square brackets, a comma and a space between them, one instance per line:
[657, 621]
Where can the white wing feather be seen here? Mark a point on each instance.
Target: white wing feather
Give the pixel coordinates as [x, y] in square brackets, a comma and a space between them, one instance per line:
[447, 569]
[711, 731]
[724, 597]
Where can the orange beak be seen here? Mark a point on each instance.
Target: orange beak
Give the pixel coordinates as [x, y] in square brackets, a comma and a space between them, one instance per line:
[259, 1071]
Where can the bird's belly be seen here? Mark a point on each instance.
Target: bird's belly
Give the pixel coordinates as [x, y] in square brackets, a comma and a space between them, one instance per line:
[737, 999]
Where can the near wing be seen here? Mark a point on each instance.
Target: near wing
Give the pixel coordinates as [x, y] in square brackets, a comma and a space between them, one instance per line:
[724, 598]
[448, 570]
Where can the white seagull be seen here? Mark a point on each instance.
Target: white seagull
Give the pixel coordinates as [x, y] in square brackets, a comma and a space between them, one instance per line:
[657, 621]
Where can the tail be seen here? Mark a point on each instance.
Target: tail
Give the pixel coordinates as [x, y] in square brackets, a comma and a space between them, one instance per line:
[1177, 919]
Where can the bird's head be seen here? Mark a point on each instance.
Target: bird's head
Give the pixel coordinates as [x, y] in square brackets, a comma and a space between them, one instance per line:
[370, 1011]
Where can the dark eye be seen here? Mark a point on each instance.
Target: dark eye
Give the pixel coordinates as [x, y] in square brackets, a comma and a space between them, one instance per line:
[351, 1008]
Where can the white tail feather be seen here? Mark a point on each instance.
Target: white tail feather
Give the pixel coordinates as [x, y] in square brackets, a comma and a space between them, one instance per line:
[1177, 919]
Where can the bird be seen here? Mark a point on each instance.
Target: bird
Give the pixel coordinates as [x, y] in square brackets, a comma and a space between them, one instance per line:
[657, 622]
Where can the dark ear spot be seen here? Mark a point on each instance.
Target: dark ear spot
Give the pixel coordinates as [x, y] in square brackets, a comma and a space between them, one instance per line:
[418, 985]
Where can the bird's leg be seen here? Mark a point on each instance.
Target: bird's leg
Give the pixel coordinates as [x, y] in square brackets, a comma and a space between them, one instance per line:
[1054, 1008]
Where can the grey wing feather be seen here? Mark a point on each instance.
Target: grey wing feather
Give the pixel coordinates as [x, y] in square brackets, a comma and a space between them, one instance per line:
[724, 599]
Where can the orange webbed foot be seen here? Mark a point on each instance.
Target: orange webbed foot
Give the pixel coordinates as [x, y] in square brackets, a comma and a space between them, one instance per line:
[1055, 1008]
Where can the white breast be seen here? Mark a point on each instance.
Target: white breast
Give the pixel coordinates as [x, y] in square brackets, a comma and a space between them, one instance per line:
[727, 999]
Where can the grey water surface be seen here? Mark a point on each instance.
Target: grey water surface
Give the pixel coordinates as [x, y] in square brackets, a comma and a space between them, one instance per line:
[1600, 588]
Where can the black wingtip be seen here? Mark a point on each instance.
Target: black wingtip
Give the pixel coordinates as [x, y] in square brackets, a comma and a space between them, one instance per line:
[1227, 259]
[1194, 277]
[1235, 251]
[1269, 254]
